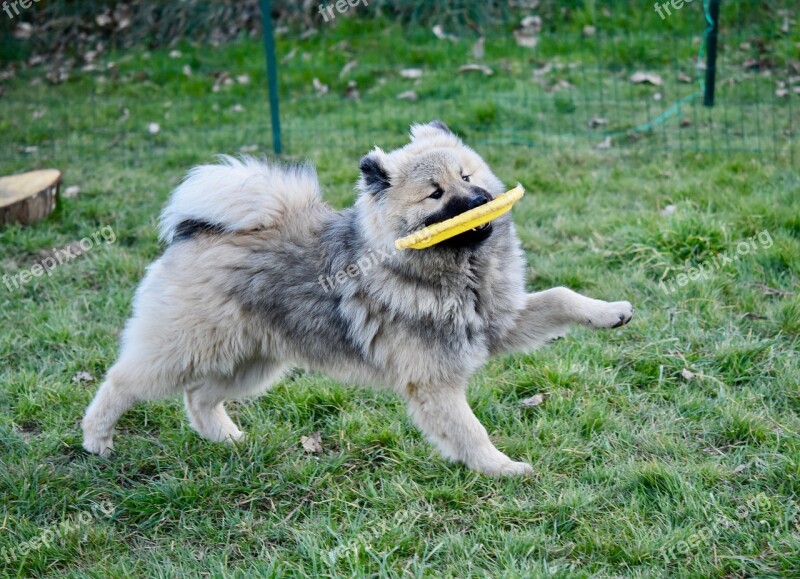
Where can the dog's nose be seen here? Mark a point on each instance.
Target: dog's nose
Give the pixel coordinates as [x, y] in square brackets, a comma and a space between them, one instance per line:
[479, 197]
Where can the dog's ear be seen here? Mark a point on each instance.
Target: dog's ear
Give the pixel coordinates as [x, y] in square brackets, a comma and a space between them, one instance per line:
[374, 176]
[434, 128]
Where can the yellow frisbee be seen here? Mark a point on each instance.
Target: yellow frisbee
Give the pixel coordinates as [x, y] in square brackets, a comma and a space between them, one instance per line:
[471, 219]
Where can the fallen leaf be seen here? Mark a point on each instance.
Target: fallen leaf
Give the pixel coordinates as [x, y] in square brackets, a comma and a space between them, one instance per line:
[532, 23]
[312, 442]
[187, 70]
[604, 144]
[411, 73]
[686, 123]
[476, 68]
[351, 92]
[82, 377]
[589, 30]
[668, 211]
[769, 291]
[535, 400]
[752, 316]
[684, 78]
[478, 49]
[321, 88]
[595, 122]
[243, 79]
[409, 95]
[71, 192]
[347, 68]
[439, 32]
[646, 78]
[525, 39]
[292, 53]
[687, 374]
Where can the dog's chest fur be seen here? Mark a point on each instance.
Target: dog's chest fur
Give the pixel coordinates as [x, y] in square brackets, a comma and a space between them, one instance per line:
[433, 317]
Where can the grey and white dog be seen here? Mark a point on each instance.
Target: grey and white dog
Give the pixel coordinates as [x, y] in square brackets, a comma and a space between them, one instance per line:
[260, 275]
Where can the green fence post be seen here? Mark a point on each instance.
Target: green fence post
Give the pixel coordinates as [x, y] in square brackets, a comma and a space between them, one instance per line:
[272, 74]
[711, 54]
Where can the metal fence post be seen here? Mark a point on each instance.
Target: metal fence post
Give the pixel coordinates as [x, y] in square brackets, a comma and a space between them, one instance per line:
[711, 54]
[272, 74]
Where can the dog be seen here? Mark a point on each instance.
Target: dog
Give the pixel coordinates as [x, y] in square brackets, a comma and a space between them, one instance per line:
[259, 275]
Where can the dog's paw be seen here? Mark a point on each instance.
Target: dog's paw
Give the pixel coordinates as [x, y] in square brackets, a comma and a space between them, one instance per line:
[98, 445]
[506, 468]
[605, 315]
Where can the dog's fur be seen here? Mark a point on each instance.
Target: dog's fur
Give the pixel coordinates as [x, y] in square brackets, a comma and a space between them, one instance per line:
[240, 295]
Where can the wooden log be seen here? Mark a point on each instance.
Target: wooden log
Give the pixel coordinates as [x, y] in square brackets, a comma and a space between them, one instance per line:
[28, 197]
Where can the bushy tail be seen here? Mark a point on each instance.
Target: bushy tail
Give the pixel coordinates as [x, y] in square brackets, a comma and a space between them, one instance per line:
[239, 194]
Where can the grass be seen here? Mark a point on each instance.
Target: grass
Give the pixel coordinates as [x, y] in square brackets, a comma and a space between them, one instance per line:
[668, 448]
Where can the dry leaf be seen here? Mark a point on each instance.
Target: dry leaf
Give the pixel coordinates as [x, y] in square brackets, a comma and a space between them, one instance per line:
[476, 68]
[646, 78]
[668, 211]
[605, 144]
[478, 50]
[439, 32]
[411, 73]
[312, 442]
[351, 92]
[768, 291]
[347, 68]
[589, 30]
[321, 89]
[687, 374]
[82, 377]
[71, 192]
[243, 79]
[409, 95]
[683, 77]
[525, 39]
[535, 400]
[595, 122]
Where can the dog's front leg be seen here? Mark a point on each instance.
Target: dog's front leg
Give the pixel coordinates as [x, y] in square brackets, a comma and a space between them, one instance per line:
[547, 315]
[444, 416]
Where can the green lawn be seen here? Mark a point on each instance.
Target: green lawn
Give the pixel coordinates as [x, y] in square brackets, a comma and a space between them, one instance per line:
[667, 448]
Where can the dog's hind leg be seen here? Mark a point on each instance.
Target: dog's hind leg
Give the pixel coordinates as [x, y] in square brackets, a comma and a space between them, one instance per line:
[205, 401]
[444, 416]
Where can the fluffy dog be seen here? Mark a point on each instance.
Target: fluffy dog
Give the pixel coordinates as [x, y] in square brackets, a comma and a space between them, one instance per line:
[260, 275]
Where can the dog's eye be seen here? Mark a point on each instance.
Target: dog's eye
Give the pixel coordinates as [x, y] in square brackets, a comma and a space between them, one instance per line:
[436, 194]
[465, 178]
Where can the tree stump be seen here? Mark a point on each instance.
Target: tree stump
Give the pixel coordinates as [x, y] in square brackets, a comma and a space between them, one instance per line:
[28, 197]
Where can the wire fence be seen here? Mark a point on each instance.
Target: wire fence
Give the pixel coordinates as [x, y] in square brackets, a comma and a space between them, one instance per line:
[129, 82]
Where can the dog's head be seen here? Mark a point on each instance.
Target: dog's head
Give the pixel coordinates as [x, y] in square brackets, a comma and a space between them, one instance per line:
[433, 178]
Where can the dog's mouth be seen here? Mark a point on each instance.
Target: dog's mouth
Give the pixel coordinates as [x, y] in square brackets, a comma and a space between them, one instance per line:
[470, 238]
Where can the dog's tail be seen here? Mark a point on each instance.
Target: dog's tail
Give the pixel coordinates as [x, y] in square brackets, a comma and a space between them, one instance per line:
[238, 195]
